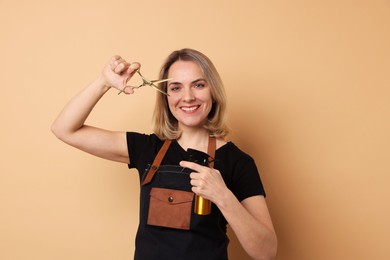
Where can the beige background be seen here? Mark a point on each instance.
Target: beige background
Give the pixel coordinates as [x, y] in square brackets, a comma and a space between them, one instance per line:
[308, 88]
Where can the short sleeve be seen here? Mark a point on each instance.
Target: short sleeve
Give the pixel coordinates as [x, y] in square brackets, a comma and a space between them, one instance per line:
[135, 142]
[246, 179]
[141, 147]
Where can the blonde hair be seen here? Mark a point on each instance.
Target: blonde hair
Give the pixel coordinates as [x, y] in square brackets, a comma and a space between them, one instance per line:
[165, 124]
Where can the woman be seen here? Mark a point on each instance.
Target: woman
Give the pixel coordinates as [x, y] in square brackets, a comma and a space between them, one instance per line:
[188, 122]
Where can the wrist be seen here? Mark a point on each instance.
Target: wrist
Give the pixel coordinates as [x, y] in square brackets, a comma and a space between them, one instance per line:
[225, 198]
[102, 84]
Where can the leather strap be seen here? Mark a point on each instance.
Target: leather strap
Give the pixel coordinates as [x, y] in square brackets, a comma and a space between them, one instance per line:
[163, 150]
[211, 151]
[157, 161]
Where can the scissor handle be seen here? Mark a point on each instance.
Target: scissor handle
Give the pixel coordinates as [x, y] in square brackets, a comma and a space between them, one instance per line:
[151, 83]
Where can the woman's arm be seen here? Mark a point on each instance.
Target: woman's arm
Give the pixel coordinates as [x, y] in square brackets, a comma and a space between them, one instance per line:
[249, 219]
[70, 124]
[251, 222]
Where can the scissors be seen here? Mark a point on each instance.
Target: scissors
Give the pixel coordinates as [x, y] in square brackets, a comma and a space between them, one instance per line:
[151, 83]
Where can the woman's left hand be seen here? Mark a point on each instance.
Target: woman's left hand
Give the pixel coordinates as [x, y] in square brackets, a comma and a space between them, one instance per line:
[205, 181]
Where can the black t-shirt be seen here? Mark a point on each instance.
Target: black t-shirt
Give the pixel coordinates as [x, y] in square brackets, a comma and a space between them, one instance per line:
[239, 173]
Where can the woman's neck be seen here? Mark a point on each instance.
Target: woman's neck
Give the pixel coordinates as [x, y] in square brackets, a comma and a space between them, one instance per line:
[198, 140]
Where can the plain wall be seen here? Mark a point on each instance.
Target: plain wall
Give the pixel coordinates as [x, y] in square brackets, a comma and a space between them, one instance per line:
[308, 89]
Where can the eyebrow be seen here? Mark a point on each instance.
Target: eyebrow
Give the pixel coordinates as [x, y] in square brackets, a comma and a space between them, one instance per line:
[193, 82]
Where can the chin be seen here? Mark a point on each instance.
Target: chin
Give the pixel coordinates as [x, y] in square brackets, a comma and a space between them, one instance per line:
[199, 125]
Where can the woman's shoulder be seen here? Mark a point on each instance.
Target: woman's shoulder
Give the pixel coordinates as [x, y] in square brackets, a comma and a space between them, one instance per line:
[231, 150]
[139, 135]
[143, 139]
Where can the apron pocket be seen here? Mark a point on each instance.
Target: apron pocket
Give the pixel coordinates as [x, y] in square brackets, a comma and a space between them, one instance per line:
[170, 208]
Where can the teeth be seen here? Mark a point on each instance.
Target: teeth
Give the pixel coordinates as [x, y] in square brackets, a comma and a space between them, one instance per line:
[189, 109]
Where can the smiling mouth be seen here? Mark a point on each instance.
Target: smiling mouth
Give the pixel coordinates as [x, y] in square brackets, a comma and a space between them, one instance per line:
[189, 109]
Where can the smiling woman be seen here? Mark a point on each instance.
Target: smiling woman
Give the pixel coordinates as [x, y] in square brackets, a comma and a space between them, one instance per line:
[187, 155]
[206, 75]
[189, 99]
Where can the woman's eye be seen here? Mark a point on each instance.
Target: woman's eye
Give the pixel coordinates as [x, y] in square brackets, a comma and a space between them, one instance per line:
[199, 85]
[175, 89]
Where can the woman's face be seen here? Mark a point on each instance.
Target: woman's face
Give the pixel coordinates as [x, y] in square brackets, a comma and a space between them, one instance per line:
[189, 98]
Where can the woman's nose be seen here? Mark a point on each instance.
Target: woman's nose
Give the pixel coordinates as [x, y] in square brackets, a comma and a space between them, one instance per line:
[188, 95]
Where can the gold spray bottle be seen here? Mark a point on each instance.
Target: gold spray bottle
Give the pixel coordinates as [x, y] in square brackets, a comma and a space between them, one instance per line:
[202, 206]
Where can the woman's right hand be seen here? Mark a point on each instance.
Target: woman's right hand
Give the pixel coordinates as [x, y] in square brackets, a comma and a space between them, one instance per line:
[117, 72]
[70, 126]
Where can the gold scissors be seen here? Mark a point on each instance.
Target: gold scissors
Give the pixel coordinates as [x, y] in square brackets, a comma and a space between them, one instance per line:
[151, 83]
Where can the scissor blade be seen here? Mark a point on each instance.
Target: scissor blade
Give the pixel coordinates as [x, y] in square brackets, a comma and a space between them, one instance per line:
[160, 81]
[159, 90]
[145, 81]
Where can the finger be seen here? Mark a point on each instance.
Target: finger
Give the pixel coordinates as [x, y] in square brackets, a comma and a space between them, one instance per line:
[118, 64]
[194, 175]
[129, 73]
[133, 68]
[191, 165]
[128, 90]
[194, 183]
[121, 67]
[199, 184]
[114, 61]
[198, 187]
[135, 65]
[116, 57]
[194, 190]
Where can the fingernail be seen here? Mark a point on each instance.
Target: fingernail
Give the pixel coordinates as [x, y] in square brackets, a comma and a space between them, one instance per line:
[135, 65]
